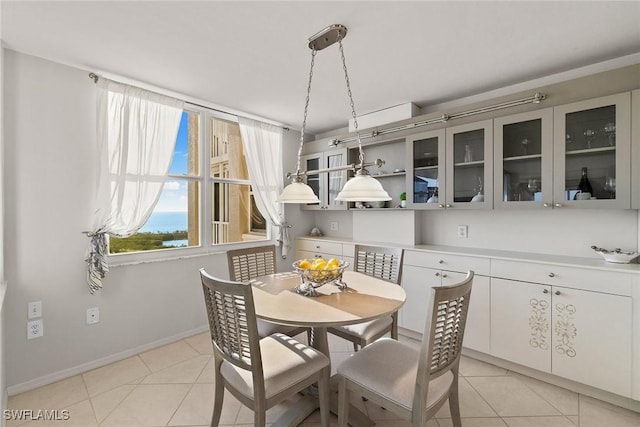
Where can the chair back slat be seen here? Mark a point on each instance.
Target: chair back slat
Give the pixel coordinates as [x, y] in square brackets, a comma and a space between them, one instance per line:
[248, 263]
[383, 263]
[232, 320]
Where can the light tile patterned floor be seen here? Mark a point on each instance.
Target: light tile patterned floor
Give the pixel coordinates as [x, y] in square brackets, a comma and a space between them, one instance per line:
[173, 386]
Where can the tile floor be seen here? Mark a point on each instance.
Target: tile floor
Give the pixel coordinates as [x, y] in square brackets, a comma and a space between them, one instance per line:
[173, 386]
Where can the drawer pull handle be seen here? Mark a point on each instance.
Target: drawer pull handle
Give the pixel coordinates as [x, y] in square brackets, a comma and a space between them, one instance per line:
[545, 291]
[557, 292]
[441, 261]
[317, 247]
[552, 275]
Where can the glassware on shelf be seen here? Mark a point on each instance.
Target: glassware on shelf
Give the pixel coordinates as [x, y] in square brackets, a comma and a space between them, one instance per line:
[479, 197]
[610, 186]
[610, 131]
[468, 155]
[533, 186]
[568, 138]
[589, 134]
[524, 143]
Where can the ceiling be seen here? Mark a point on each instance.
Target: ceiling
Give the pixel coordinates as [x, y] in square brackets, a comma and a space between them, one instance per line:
[252, 57]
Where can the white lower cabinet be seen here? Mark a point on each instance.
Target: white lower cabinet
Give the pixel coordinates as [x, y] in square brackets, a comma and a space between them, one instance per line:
[580, 335]
[477, 331]
[417, 283]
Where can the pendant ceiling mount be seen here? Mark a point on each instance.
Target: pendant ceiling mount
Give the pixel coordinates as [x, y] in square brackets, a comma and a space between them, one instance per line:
[327, 37]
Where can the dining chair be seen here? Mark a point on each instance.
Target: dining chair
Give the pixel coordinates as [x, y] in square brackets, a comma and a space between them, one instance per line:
[383, 263]
[413, 383]
[259, 372]
[248, 263]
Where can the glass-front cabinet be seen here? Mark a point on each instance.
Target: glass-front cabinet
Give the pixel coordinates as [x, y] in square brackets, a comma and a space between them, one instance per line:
[426, 157]
[592, 153]
[326, 185]
[523, 151]
[469, 167]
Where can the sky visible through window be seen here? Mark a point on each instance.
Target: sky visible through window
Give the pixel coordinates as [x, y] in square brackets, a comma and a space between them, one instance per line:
[174, 195]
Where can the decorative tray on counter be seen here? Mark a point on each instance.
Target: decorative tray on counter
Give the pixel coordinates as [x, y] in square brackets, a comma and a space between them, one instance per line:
[617, 256]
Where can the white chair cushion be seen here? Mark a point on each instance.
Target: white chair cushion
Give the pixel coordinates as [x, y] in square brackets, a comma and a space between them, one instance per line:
[367, 330]
[389, 368]
[285, 362]
[267, 328]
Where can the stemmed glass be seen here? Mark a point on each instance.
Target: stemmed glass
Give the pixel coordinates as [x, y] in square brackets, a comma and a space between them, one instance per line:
[610, 186]
[589, 134]
[524, 143]
[610, 131]
[533, 186]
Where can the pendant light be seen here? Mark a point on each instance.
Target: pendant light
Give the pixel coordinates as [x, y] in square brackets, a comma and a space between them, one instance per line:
[362, 187]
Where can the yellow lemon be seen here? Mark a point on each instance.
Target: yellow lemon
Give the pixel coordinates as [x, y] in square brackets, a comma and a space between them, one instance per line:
[333, 263]
[319, 264]
[304, 264]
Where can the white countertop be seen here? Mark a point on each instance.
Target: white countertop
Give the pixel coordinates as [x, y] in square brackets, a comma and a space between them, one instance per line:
[595, 262]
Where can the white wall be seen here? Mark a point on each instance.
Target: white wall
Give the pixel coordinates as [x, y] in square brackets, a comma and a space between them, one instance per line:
[559, 231]
[3, 386]
[50, 147]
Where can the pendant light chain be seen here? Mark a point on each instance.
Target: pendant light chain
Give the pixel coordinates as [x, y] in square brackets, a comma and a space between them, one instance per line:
[353, 108]
[306, 109]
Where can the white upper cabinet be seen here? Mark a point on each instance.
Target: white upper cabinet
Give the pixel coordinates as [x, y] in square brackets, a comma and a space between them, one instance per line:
[523, 166]
[593, 137]
[469, 167]
[426, 170]
[326, 185]
[635, 150]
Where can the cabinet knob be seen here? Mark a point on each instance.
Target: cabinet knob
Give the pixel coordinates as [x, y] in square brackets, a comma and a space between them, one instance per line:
[447, 205]
[441, 261]
[317, 247]
[444, 274]
[552, 275]
[441, 206]
[547, 205]
[557, 292]
[545, 291]
[437, 274]
[558, 205]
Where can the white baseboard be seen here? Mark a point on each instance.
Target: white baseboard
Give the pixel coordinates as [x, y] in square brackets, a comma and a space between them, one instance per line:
[85, 367]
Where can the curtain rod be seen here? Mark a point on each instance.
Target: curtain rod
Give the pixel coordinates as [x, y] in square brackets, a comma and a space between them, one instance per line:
[534, 99]
[95, 79]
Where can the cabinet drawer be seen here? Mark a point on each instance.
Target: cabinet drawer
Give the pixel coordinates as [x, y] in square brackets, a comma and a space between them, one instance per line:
[570, 277]
[317, 246]
[460, 263]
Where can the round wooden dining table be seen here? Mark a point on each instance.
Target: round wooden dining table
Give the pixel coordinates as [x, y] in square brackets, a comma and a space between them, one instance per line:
[365, 298]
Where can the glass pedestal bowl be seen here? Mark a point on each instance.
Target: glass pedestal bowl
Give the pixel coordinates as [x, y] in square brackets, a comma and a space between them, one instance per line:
[312, 279]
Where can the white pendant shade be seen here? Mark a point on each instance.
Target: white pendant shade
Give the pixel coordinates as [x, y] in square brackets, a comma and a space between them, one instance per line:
[363, 188]
[298, 192]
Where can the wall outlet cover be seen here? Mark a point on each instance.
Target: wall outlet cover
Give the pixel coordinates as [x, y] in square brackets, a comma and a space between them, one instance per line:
[463, 231]
[93, 315]
[35, 329]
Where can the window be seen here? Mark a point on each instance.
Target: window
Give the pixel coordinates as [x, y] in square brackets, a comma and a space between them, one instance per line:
[182, 213]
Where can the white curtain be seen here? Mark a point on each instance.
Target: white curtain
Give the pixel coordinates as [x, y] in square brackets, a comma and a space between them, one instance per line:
[137, 132]
[262, 145]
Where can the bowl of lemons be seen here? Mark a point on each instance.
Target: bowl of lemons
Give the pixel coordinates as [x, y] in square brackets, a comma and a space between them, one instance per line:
[317, 272]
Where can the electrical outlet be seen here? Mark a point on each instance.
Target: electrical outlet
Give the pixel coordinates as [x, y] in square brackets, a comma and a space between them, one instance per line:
[93, 315]
[34, 309]
[35, 329]
[333, 225]
[463, 231]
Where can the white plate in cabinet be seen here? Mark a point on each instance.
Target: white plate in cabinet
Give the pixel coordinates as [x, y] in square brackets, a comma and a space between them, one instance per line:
[570, 277]
[461, 263]
[579, 335]
[319, 246]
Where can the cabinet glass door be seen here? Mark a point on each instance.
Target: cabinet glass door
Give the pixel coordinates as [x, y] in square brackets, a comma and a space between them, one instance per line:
[425, 185]
[523, 155]
[469, 166]
[593, 153]
[335, 180]
[313, 162]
